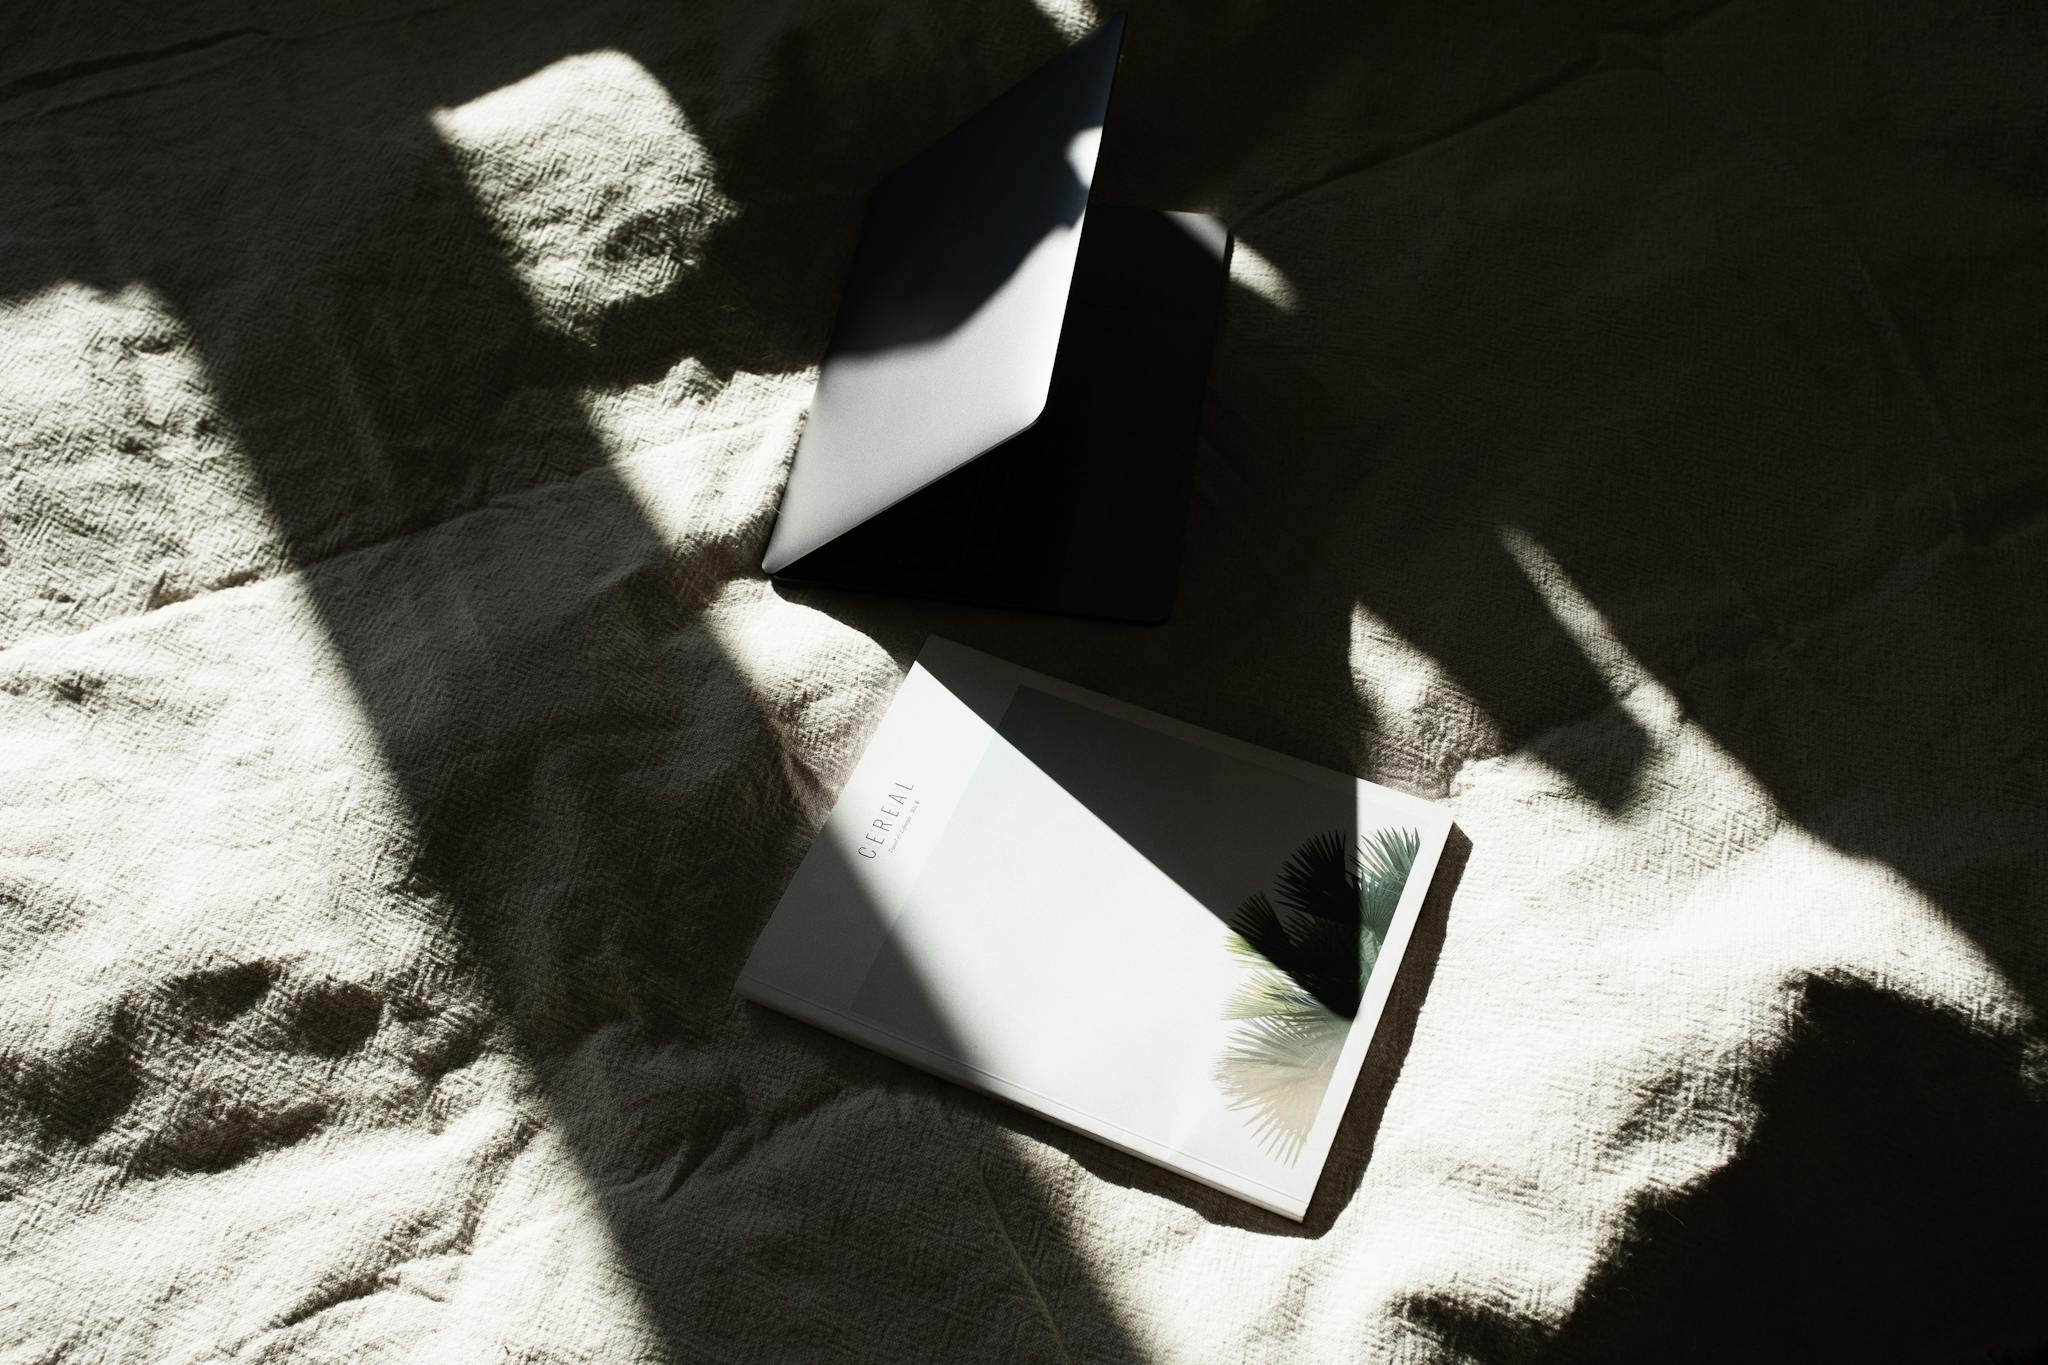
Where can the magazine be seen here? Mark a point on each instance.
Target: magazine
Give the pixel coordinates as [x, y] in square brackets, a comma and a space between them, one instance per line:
[1174, 942]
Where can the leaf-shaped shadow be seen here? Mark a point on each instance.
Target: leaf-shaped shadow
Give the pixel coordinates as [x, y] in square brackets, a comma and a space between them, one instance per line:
[1307, 960]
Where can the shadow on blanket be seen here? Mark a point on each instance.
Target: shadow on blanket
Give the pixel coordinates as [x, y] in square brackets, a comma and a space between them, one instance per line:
[1843, 1217]
[1861, 1223]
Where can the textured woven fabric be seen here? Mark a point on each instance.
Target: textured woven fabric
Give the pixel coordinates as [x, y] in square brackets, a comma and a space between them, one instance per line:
[1627, 429]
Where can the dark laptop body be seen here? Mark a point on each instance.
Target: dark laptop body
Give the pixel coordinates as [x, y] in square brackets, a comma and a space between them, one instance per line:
[1007, 414]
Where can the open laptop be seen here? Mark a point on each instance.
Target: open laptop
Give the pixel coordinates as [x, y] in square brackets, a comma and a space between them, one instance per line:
[1007, 412]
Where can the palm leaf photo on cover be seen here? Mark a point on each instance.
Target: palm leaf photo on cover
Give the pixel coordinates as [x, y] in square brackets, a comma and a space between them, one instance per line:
[1307, 951]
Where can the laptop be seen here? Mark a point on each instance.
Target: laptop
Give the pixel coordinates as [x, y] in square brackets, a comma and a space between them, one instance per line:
[1007, 412]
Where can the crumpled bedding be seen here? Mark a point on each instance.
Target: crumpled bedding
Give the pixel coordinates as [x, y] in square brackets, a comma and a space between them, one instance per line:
[1627, 429]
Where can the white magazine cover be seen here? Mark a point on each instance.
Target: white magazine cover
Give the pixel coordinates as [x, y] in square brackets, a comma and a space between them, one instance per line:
[1174, 942]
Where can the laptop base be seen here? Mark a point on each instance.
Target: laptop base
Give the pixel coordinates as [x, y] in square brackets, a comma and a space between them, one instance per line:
[1083, 512]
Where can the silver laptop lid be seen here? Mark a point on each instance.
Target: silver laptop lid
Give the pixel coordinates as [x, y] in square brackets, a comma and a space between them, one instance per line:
[951, 318]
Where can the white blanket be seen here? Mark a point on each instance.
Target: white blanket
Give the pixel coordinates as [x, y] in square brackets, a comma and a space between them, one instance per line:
[1625, 431]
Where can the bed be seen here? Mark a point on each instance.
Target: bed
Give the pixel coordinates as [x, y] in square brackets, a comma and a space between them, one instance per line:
[1627, 429]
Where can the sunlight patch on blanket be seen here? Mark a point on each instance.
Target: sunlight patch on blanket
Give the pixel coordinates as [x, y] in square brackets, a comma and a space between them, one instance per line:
[121, 491]
[1252, 270]
[1074, 19]
[593, 183]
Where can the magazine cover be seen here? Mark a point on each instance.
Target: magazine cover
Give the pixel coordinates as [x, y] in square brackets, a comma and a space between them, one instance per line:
[1174, 942]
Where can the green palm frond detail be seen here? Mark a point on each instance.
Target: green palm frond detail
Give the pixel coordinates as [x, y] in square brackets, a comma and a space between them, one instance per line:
[1321, 880]
[1384, 862]
[1257, 927]
[1277, 1068]
[1268, 994]
[1307, 960]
